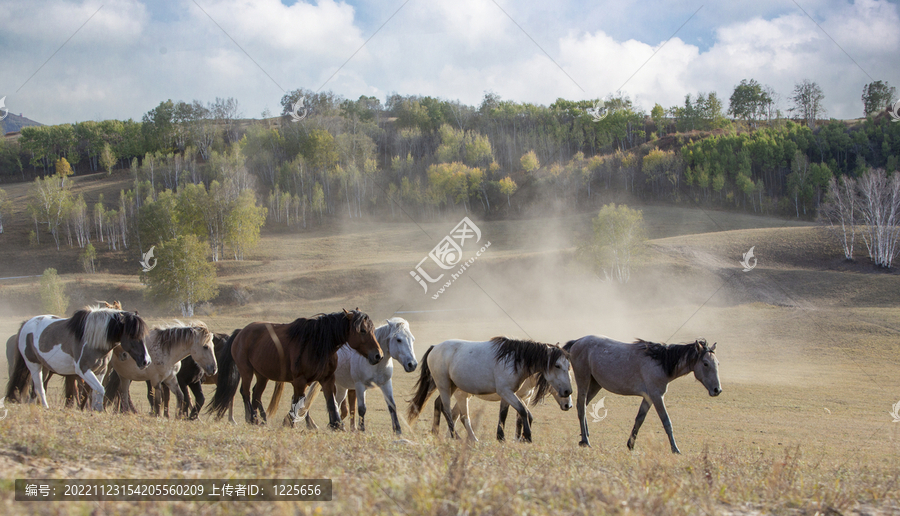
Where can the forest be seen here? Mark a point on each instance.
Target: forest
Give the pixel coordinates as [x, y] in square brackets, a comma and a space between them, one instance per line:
[426, 156]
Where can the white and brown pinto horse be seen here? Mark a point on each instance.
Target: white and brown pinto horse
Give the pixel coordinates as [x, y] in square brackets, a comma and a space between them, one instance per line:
[499, 365]
[79, 345]
[639, 369]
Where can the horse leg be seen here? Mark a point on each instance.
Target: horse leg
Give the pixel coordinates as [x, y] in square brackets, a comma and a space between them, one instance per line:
[261, 382]
[298, 402]
[99, 392]
[436, 420]
[360, 405]
[151, 397]
[463, 404]
[37, 383]
[185, 408]
[516, 403]
[171, 384]
[638, 421]
[199, 399]
[447, 392]
[310, 396]
[667, 424]
[249, 410]
[504, 411]
[348, 408]
[584, 382]
[334, 419]
[388, 391]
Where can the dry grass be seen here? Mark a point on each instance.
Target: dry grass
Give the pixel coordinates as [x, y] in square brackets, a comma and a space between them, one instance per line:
[808, 349]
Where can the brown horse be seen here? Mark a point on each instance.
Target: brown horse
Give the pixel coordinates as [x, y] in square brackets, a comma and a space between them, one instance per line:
[300, 352]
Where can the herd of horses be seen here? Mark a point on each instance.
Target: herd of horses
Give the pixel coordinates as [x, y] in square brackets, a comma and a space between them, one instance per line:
[342, 354]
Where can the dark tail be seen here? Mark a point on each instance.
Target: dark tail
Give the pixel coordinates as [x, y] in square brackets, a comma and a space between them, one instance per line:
[18, 380]
[568, 347]
[227, 382]
[424, 388]
[276, 398]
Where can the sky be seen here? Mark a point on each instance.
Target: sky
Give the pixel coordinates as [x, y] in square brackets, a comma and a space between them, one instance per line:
[71, 61]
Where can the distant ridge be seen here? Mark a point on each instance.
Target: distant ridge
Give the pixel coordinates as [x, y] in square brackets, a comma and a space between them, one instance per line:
[14, 123]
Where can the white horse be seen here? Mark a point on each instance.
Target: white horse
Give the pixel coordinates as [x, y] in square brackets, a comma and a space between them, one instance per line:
[640, 369]
[354, 374]
[527, 393]
[499, 366]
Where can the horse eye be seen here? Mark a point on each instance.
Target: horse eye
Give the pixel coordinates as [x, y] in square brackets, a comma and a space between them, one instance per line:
[705, 364]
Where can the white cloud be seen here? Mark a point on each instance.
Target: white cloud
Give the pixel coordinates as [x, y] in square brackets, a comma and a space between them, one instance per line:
[114, 67]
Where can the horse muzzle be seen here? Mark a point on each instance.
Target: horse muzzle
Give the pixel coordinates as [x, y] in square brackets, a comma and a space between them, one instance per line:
[211, 370]
[374, 357]
[410, 366]
[144, 362]
[566, 393]
[715, 392]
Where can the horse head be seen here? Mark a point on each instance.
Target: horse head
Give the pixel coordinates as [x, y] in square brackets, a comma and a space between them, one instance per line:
[400, 343]
[706, 370]
[557, 373]
[202, 349]
[130, 330]
[361, 336]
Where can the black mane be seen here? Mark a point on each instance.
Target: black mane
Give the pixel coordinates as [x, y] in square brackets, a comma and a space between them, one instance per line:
[322, 334]
[670, 356]
[125, 324]
[531, 357]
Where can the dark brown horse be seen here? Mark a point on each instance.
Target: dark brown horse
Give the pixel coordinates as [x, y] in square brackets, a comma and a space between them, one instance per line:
[299, 353]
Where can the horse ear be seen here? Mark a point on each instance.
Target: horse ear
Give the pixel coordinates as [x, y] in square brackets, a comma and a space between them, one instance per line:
[123, 356]
[713, 347]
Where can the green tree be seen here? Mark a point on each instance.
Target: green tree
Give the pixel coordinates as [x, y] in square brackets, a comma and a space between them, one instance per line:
[63, 169]
[507, 188]
[87, 258]
[53, 293]
[529, 162]
[807, 100]
[183, 275]
[107, 158]
[242, 224]
[658, 114]
[749, 101]
[877, 96]
[618, 236]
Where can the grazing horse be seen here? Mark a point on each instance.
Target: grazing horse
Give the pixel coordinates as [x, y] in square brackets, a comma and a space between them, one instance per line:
[526, 392]
[355, 375]
[191, 376]
[499, 366]
[167, 346]
[640, 369]
[78, 345]
[300, 352]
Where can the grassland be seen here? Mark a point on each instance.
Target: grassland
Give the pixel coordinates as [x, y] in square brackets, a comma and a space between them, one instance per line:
[807, 343]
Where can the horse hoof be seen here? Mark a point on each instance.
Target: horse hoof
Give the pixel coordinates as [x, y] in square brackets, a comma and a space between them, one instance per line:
[585, 444]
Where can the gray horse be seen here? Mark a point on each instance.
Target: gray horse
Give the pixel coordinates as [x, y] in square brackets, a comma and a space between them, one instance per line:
[640, 369]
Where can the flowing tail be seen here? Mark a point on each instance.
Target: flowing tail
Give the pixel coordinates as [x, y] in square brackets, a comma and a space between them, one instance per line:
[276, 398]
[227, 383]
[18, 379]
[424, 389]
